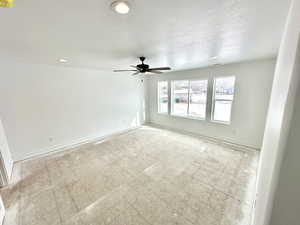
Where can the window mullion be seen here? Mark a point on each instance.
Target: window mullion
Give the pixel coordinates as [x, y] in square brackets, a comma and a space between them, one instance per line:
[188, 106]
[170, 98]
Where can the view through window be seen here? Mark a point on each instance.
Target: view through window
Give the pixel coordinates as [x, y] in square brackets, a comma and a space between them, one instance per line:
[162, 96]
[198, 93]
[180, 96]
[189, 98]
[223, 97]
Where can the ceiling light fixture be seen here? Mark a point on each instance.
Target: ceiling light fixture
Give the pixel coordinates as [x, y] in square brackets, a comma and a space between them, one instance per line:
[120, 7]
[62, 60]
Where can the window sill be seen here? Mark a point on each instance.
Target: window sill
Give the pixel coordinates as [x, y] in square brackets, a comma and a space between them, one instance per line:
[220, 122]
[163, 114]
[194, 118]
[188, 117]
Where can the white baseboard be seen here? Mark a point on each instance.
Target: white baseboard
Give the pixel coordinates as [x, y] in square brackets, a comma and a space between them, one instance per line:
[72, 145]
[83, 141]
[207, 138]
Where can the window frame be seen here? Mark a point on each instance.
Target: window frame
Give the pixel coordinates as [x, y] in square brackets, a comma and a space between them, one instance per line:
[188, 103]
[158, 97]
[214, 100]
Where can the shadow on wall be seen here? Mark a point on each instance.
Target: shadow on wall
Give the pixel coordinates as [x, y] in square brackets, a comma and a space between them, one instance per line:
[286, 203]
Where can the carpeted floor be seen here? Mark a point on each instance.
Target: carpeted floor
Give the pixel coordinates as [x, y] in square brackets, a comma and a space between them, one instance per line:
[148, 176]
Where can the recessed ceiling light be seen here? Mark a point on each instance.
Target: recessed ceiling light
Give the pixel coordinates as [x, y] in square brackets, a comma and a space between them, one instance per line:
[121, 7]
[62, 60]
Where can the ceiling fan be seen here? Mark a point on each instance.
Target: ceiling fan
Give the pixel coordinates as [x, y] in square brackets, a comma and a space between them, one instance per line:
[144, 68]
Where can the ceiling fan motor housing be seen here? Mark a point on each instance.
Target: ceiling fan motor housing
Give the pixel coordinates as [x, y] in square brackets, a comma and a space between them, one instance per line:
[143, 68]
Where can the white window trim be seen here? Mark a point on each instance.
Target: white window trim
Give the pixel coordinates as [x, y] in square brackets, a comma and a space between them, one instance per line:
[214, 100]
[189, 116]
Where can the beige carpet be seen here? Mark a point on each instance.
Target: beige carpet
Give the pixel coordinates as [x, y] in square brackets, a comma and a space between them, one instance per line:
[148, 176]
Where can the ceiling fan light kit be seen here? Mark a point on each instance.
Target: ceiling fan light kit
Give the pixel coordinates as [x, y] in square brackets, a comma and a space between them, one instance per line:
[144, 68]
[121, 7]
[6, 3]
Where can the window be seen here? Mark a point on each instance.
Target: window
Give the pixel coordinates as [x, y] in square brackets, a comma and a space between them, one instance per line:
[180, 97]
[162, 96]
[222, 99]
[198, 93]
[189, 98]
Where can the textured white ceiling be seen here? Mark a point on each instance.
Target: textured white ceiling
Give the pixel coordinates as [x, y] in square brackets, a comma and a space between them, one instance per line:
[182, 34]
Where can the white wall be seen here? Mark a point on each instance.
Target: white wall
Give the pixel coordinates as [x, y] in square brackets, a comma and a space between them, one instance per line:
[44, 107]
[253, 87]
[283, 99]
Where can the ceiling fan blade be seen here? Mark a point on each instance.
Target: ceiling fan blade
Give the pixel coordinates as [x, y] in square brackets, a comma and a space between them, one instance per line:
[125, 70]
[160, 68]
[136, 73]
[155, 71]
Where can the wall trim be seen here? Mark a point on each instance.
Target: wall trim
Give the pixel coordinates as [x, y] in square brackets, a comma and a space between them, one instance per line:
[74, 145]
[4, 175]
[218, 141]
